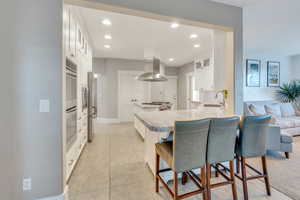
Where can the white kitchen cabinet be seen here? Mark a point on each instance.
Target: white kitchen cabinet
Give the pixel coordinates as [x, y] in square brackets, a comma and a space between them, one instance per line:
[72, 37]
[74, 49]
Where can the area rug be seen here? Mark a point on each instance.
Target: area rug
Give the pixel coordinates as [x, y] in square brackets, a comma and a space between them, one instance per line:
[284, 173]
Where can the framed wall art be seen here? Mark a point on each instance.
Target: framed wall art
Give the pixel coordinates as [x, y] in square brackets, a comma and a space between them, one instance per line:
[273, 77]
[253, 73]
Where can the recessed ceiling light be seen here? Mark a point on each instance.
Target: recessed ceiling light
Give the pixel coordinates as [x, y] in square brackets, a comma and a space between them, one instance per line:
[196, 45]
[171, 59]
[107, 46]
[174, 25]
[107, 37]
[106, 22]
[193, 36]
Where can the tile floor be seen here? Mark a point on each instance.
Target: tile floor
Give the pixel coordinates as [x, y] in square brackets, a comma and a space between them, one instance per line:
[112, 168]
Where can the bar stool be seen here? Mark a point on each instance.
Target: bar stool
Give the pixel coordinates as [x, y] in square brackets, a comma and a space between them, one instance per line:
[220, 148]
[186, 152]
[252, 143]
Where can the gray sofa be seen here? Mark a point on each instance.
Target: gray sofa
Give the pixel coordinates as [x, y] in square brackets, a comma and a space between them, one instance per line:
[284, 123]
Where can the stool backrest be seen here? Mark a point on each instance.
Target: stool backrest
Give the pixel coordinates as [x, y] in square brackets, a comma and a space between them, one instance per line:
[221, 139]
[253, 136]
[189, 144]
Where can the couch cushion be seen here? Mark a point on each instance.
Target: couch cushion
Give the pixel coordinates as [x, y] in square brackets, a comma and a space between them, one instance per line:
[273, 109]
[295, 119]
[287, 110]
[285, 123]
[286, 138]
[257, 109]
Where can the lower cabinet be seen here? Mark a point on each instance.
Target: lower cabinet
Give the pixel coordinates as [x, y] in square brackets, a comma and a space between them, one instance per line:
[75, 151]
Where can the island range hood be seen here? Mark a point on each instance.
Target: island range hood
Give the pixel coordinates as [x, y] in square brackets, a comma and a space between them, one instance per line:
[154, 75]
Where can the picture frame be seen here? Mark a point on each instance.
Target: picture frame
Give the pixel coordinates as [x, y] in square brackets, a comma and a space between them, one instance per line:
[253, 69]
[273, 74]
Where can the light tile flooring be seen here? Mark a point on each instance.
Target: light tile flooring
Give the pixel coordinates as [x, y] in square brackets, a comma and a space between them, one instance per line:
[112, 168]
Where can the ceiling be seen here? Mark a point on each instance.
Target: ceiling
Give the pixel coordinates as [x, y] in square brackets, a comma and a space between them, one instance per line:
[239, 3]
[138, 38]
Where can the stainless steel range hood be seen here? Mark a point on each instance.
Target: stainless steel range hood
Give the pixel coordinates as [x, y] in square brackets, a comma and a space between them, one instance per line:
[155, 74]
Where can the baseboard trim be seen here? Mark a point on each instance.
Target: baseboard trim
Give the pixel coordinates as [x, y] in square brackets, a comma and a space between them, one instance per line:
[59, 197]
[63, 196]
[107, 120]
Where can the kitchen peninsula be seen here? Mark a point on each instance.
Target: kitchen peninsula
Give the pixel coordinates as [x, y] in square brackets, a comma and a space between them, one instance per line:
[156, 126]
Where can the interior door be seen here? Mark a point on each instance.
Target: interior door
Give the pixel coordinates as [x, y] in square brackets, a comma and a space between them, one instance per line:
[171, 91]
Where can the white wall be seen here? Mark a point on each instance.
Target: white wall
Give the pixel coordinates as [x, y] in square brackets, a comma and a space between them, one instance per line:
[295, 67]
[108, 68]
[263, 92]
[271, 33]
[272, 27]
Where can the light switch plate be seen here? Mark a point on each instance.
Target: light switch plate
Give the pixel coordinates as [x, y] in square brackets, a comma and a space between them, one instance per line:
[44, 106]
[26, 184]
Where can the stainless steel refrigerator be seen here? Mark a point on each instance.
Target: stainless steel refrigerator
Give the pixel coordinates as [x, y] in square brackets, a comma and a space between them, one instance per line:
[92, 104]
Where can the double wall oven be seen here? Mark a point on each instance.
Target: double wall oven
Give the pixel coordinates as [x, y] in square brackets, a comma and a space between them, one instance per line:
[71, 102]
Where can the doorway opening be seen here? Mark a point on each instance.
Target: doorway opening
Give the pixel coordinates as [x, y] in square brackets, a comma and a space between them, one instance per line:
[194, 58]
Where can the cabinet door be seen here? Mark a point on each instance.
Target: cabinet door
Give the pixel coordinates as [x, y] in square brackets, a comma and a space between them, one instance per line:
[66, 29]
[72, 42]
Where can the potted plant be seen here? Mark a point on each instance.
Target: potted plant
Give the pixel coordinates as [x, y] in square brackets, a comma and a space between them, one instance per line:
[289, 92]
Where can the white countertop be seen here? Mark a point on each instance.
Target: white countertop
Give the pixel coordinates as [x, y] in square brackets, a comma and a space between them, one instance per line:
[164, 121]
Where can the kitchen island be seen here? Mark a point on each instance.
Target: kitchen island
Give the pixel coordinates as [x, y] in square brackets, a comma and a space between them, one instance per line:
[157, 126]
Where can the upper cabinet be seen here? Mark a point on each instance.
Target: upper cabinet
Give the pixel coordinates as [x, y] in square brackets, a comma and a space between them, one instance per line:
[76, 42]
[72, 37]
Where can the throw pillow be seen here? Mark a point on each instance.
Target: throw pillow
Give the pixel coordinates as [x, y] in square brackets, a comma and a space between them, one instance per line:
[287, 110]
[274, 110]
[257, 109]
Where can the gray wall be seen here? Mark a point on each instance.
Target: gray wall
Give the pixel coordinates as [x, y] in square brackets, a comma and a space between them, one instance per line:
[6, 105]
[182, 84]
[203, 11]
[108, 68]
[31, 70]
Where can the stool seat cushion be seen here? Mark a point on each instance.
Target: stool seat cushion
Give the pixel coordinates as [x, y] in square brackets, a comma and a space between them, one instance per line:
[165, 150]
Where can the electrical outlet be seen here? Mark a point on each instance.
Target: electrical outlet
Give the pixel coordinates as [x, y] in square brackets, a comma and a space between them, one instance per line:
[26, 184]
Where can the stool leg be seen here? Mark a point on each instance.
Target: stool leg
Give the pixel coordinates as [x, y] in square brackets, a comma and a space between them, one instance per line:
[184, 178]
[156, 173]
[244, 179]
[287, 155]
[232, 177]
[175, 186]
[216, 172]
[203, 181]
[238, 166]
[208, 177]
[265, 170]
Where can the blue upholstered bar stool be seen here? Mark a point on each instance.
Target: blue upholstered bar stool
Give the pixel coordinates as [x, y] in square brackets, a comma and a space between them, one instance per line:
[252, 143]
[220, 148]
[186, 152]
